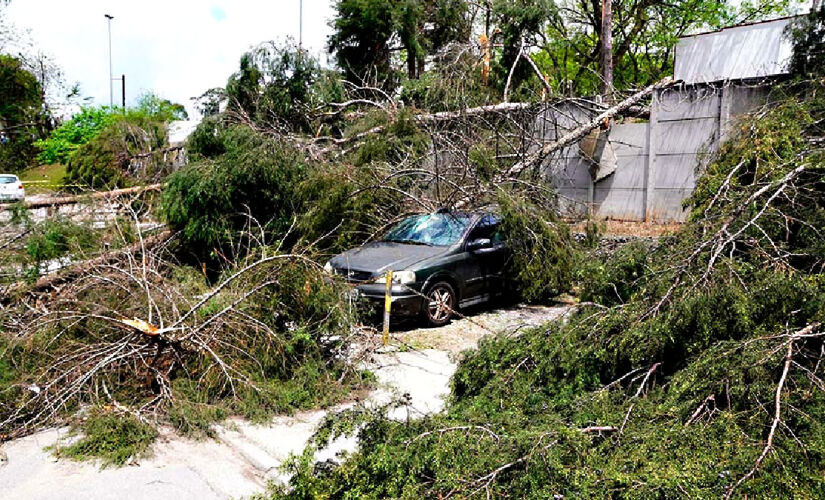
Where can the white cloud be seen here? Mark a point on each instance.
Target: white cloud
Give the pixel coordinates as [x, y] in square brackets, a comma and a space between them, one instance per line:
[178, 49]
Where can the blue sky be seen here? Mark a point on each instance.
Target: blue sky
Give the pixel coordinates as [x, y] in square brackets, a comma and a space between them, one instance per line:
[177, 48]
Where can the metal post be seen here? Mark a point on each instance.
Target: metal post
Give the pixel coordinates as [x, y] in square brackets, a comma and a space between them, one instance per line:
[123, 87]
[387, 306]
[111, 86]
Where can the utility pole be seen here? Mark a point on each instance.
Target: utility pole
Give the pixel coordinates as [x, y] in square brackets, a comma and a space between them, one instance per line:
[111, 88]
[606, 50]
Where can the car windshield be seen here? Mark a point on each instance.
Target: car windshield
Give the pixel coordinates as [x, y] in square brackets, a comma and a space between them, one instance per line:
[7, 179]
[429, 229]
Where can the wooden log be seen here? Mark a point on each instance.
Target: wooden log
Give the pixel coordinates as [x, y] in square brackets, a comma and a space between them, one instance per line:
[98, 195]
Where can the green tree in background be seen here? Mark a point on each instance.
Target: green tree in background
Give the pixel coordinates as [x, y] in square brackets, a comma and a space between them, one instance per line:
[366, 32]
[808, 37]
[79, 130]
[160, 108]
[362, 30]
[280, 86]
[22, 116]
[644, 35]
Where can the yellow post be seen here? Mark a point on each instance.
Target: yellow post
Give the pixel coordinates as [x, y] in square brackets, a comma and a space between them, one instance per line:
[387, 306]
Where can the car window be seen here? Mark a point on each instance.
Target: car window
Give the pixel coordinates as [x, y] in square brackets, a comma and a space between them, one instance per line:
[488, 227]
[7, 179]
[429, 229]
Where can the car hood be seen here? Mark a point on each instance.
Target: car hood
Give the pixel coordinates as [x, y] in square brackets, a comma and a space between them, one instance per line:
[380, 256]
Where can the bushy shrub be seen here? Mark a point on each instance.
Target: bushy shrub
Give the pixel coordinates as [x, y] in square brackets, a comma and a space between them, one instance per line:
[55, 238]
[112, 438]
[79, 130]
[106, 160]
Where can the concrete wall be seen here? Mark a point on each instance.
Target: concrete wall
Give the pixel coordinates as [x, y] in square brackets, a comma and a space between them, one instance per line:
[656, 162]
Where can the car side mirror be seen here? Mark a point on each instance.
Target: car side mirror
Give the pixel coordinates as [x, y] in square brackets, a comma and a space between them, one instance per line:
[479, 244]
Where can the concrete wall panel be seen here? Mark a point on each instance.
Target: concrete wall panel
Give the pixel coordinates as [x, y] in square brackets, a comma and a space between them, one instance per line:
[666, 204]
[675, 171]
[628, 139]
[688, 103]
[683, 132]
[686, 136]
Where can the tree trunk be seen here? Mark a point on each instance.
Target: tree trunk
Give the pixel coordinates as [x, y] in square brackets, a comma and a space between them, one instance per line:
[606, 50]
[411, 64]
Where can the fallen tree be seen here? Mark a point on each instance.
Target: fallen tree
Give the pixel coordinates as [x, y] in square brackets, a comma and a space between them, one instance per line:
[155, 341]
[702, 375]
[45, 283]
[97, 195]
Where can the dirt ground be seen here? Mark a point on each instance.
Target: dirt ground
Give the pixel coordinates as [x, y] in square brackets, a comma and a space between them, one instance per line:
[618, 228]
[464, 333]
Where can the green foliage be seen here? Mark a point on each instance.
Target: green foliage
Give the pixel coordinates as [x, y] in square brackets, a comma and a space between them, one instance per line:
[252, 182]
[105, 161]
[68, 137]
[207, 140]
[98, 143]
[453, 82]
[55, 238]
[683, 370]
[112, 438]
[541, 248]
[363, 31]
[22, 117]
[517, 21]
[280, 86]
[593, 231]
[644, 34]
[613, 280]
[161, 109]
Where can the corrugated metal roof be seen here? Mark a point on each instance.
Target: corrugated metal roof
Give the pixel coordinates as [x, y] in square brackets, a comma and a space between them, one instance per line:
[739, 52]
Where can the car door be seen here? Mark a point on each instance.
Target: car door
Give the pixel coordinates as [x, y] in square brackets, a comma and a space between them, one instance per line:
[489, 261]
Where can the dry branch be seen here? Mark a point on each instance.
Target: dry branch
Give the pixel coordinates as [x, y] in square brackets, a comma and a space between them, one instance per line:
[777, 407]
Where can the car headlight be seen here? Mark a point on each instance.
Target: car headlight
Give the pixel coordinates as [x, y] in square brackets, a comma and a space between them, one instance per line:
[398, 277]
[328, 268]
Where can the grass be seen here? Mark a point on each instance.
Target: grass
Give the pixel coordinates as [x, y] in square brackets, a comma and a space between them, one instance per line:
[43, 179]
[112, 438]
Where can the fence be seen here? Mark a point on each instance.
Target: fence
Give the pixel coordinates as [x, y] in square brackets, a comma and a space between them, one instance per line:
[644, 171]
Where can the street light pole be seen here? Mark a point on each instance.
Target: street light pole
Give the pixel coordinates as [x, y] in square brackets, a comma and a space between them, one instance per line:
[111, 89]
[301, 24]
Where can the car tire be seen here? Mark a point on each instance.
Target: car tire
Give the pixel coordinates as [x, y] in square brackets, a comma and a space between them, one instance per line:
[440, 302]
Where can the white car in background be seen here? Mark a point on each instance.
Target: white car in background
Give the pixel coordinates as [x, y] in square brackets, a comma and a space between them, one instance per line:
[11, 189]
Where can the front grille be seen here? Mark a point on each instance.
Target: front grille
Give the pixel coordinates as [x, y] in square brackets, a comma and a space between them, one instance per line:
[355, 276]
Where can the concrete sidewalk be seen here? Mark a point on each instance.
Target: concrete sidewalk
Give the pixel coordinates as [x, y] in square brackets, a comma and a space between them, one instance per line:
[237, 464]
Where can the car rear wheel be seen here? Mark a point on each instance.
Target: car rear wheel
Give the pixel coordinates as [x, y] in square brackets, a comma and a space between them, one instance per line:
[439, 304]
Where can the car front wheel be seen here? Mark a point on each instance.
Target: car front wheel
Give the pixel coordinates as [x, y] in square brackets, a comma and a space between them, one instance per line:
[439, 304]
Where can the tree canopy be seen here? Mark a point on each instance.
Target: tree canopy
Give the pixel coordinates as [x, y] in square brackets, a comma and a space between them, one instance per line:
[22, 116]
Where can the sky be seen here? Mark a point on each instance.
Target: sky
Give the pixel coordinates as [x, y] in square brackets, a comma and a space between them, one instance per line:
[175, 48]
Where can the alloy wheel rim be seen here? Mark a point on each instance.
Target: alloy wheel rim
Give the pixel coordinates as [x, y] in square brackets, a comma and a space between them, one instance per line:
[440, 304]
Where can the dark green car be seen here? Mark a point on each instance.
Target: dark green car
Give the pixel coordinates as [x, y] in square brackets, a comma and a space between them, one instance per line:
[440, 262]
